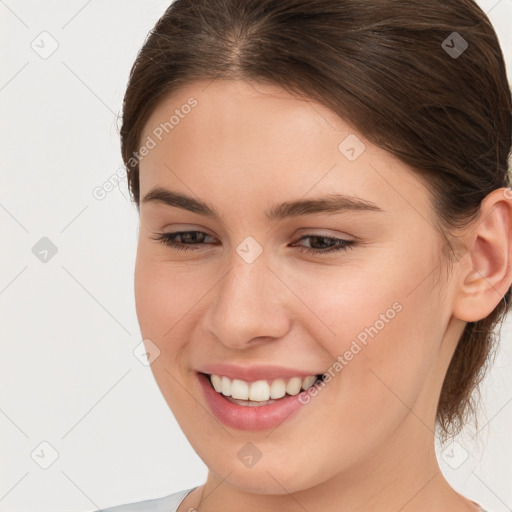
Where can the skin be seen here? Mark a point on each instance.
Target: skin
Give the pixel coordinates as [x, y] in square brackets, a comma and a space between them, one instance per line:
[367, 440]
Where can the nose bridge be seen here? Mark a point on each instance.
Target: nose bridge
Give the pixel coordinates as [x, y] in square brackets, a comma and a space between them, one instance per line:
[248, 303]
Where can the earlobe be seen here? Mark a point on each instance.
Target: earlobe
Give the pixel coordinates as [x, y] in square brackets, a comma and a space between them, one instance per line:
[486, 270]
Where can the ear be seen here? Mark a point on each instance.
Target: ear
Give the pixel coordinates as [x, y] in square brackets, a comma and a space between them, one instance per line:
[485, 271]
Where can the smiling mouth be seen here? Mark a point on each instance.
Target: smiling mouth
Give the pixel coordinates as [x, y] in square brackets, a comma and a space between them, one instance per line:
[262, 392]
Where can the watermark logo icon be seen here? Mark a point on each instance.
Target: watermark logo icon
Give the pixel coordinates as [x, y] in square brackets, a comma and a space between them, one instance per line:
[249, 249]
[45, 45]
[146, 352]
[454, 45]
[249, 455]
[44, 455]
[44, 250]
[351, 147]
[455, 455]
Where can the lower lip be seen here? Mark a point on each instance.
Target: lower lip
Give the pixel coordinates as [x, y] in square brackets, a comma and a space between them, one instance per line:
[250, 418]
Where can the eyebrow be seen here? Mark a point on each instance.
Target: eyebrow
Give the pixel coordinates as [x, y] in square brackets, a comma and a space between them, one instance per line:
[332, 203]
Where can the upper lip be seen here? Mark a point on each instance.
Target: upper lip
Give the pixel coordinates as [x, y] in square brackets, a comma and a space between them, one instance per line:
[254, 372]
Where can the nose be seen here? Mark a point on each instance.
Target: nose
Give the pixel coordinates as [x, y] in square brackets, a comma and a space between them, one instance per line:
[249, 305]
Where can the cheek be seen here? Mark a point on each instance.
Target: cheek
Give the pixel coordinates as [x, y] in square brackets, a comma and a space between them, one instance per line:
[382, 330]
[158, 307]
[164, 306]
[164, 293]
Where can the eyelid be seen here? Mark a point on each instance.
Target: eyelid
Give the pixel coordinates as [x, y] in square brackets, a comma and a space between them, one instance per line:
[327, 233]
[184, 228]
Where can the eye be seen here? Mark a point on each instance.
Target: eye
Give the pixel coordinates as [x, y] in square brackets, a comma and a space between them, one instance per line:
[169, 239]
[333, 244]
[191, 239]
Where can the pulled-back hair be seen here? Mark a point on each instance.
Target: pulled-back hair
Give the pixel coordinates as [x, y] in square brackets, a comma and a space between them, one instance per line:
[399, 72]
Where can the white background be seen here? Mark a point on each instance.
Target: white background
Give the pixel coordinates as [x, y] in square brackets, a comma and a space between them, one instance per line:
[68, 327]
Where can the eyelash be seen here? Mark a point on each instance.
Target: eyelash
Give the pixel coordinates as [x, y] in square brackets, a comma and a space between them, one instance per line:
[343, 245]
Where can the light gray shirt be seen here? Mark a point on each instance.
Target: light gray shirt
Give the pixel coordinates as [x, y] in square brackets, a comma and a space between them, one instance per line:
[168, 503]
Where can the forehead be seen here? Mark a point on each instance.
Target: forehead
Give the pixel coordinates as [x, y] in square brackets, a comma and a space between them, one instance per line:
[241, 109]
[237, 139]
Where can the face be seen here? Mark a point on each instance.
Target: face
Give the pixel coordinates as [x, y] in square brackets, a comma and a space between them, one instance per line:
[253, 292]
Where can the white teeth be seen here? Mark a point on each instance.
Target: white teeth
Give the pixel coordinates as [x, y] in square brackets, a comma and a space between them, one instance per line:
[226, 386]
[308, 381]
[277, 389]
[240, 389]
[294, 385]
[261, 390]
[217, 383]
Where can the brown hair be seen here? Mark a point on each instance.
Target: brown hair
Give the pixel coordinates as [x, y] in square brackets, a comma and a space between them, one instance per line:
[386, 66]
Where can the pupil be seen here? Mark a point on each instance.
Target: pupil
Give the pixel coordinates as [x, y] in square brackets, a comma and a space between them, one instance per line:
[322, 245]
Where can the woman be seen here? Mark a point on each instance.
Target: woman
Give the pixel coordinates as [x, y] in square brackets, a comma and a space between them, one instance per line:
[325, 245]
